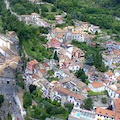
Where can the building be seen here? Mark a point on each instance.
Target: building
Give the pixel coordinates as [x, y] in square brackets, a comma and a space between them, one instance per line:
[93, 29]
[53, 43]
[113, 91]
[59, 19]
[80, 114]
[104, 114]
[63, 95]
[96, 86]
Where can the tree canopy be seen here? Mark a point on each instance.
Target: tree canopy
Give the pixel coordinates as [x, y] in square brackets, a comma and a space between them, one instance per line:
[88, 104]
[27, 100]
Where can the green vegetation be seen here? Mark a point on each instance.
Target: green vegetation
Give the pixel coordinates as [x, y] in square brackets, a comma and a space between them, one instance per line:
[30, 39]
[104, 100]
[9, 117]
[32, 88]
[53, 79]
[27, 100]
[50, 72]
[100, 12]
[69, 107]
[56, 56]
[91, 93]
[47, 108]
[48, 11]
[92, 55]
[19, 80]
[88, 104]
[1, 99]
[23, 7]
[81, 75]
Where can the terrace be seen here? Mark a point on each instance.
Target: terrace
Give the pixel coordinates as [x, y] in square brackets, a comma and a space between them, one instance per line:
[80, 114]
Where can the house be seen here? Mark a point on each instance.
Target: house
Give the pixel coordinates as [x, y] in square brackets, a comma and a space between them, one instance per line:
[53, 43]
[113, 91]
[74, 34]
[75, 85]
[33, 1]
[93, 29]
[102, 114]
[45, 65]
[59, 19]
[34, 19]
[61, 74]
[59, 93]
[96, 86]
[78, 55]
[32, 67]
[10, 43]
[12, 34]
[110, 76]
[116, 105]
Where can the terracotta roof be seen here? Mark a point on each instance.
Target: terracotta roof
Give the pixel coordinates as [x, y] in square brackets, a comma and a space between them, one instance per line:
[54, 41]
[60, 35]
[43, 71]
[118, 78]
[117, 116]
[45, 64]
[117, 52]
[35, 76]
[65, 91]
[109, 73]
[33, 62]
[88, 89]
[97, 84]
[118, 91]
[75, 32]
[105, 112]
[117, 105]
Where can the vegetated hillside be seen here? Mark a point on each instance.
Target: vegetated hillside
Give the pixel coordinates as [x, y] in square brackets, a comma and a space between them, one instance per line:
[23, 7]
[29, 36]
[98, 12]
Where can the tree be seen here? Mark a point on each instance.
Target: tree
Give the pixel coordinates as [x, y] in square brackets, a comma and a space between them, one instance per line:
[27, 100]
[69, 107]
[56, 56]
[89, 58]
[9, 116]
[88, 104]
[81, 75]
[1, 99]
[53, 9]
[104, 100]
[32, 88]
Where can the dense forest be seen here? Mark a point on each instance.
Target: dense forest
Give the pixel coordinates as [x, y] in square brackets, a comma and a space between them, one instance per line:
[23, 7]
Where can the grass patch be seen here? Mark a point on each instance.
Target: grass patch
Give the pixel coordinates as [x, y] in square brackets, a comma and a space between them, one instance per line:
[91, 93]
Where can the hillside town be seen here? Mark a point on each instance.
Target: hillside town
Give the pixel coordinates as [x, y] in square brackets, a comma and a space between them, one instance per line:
[74, 74]
[67, 87]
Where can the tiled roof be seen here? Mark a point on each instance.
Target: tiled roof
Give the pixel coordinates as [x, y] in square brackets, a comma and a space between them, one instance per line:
[65, 91]
[105, 112]
[97, 84]
[117, 105]
[33, 62]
